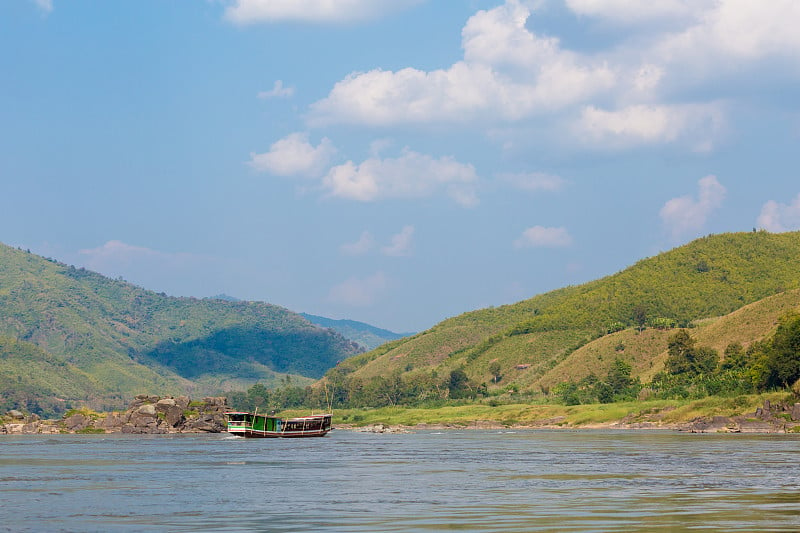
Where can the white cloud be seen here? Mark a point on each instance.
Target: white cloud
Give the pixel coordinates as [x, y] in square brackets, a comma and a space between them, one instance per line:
[652, 124]
[731, 31]
[685, 215]
[637, 91]
[508, 73]
[315, 11]
[401, 243]
[412, 175]
[44, 5]
[278, 91]
[636, 11]
[295, 156]
[359, 292]
[540, 236]
[533, 181]
[777, 217]
[363, 245]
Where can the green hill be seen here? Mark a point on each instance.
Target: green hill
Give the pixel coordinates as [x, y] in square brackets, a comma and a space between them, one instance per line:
[124, 340]
[537, 341]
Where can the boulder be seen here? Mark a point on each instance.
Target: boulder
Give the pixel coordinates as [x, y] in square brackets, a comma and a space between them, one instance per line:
[795, 412]
[182, 402]
[112, 422]
[147, 409]
[76, 422]
[173, 416]
[16, 415]
[164, 403]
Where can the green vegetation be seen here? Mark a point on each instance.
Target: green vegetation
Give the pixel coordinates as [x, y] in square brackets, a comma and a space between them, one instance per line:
[103, 341]
[575, 334]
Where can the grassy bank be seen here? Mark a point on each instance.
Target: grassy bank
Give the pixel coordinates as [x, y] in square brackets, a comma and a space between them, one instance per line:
[666, 413]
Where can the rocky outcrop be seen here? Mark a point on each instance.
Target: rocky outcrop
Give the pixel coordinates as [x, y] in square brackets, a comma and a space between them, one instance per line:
[771, 418]
[146, 414]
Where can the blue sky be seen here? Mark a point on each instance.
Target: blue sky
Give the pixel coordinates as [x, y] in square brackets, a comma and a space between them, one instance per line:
[396, 162]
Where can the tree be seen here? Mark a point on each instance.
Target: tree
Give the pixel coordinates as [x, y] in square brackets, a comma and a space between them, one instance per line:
[619, 376]
[734, 357]
[494, 370]
[459, 384]
[688, 359]
[783, 354]
[640, 316]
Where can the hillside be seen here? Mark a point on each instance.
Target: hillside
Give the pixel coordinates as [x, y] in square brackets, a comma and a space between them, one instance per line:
[368, 336]
[126, 340]
[539, 341]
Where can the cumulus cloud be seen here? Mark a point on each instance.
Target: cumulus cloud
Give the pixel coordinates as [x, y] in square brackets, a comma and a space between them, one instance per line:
[540, 236]
[685, 215]
[359, 292]
[533, 181]
[411, 175]
[295, 156]
[777, 217]
[651, 87]
[652, 124]
[278, 91]
[314, 11]
[508, 72]
[401, 243]
[360, 247]
[731, 31]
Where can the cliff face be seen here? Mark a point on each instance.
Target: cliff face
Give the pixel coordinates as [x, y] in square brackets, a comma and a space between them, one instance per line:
[145, 415]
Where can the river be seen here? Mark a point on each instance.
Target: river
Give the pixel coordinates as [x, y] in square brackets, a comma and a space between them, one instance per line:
[473, 480]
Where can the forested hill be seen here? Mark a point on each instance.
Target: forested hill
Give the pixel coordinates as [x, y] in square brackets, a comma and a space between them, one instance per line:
[123, 340]
[522, 342]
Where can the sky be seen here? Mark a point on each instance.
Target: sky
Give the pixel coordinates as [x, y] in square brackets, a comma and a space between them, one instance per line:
[396, 162]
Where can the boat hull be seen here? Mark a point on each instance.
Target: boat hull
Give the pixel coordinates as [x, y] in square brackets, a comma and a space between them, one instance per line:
[253, 425]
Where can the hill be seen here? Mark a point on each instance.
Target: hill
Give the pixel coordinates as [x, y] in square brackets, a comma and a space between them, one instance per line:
[124, 340]
[368, 336]
[560, 334]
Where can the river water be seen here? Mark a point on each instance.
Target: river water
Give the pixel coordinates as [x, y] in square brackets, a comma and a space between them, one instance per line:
[428, 481]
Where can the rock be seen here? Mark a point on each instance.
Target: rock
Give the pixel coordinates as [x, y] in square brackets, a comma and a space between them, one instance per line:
[795, 412]
[164, 403]
[76, 422]
[173, 416]
[147, 409]
[182, 402]
[31, 427]
[206, 423]
[112, 422]
[16, 415]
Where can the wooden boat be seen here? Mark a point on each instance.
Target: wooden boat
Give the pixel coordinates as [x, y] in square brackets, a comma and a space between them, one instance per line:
[246, 424]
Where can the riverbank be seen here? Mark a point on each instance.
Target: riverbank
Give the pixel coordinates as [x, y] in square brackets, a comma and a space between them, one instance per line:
[763, 413]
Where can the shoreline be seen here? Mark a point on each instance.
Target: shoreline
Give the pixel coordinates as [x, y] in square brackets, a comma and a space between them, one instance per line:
[168, 415]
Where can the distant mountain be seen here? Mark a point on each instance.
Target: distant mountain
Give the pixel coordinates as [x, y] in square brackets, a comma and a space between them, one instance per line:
[122, 340]
[564, 334]
[364, 334]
